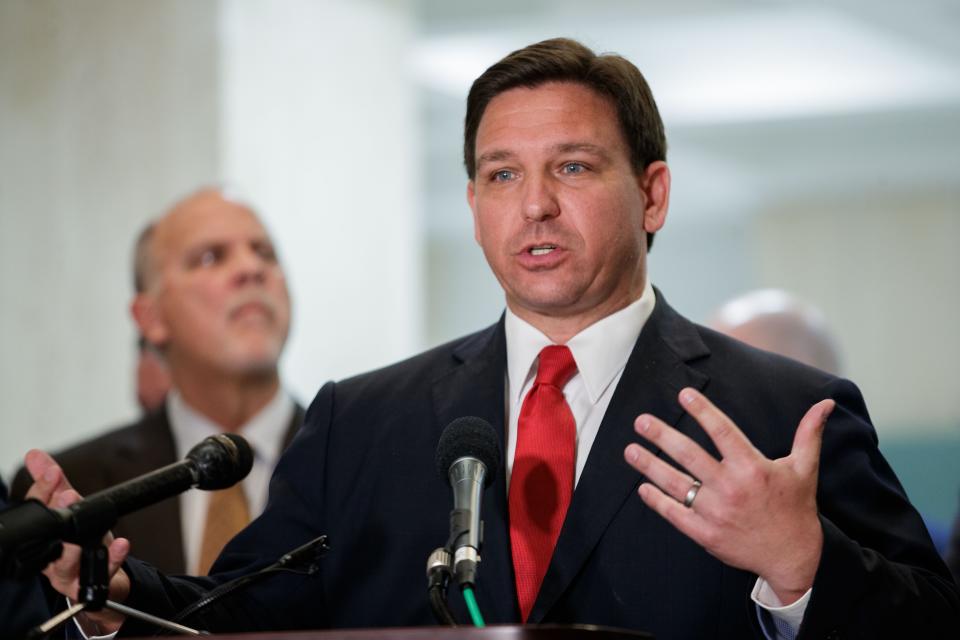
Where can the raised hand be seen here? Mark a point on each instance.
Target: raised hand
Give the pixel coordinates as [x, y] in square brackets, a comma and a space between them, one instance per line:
[750, 512]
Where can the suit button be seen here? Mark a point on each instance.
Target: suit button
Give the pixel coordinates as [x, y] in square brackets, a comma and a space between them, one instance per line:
[833, 635]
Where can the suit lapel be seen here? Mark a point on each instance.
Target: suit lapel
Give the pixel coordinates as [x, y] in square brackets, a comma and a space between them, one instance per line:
[654, 374]
[154, 450]
[294, 426]
[475, 387]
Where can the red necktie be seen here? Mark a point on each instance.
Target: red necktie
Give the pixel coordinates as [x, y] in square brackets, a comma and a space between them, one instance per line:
[541, 483]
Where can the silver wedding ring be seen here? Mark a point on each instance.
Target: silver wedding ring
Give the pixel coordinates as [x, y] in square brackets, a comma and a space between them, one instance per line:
[692, 494]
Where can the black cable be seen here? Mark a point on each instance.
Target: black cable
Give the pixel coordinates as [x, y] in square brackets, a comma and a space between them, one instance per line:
[441, 610]
[439, 572]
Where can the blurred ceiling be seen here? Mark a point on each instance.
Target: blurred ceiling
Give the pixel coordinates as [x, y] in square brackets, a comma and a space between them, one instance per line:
[762, 99]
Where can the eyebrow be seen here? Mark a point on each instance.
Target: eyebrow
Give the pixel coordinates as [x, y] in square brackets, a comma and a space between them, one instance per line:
[498, 155]
[586, 147]
[494, 156]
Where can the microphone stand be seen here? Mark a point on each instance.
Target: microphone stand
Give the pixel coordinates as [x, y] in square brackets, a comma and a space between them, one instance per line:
[95, 583]
[304, 559]
[94, 588]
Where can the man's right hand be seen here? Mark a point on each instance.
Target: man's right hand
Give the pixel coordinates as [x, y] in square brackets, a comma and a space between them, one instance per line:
[52, 488]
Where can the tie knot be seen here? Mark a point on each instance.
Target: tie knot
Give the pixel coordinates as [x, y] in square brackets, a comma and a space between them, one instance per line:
[556, 366]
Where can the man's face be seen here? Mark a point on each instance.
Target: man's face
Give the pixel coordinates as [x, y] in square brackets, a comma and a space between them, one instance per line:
[558, 209]
[218, 302]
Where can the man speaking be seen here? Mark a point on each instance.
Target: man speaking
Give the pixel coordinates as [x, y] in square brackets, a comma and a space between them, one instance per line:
[764, 507]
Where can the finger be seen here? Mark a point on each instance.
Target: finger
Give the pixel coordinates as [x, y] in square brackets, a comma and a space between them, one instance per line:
[47, 476]
[685, 520]
[63, 573]
[116, 554]
[687, 453]
[728, 438]
[66, 498]
[65, 570]
[670, 480]
[809, 438]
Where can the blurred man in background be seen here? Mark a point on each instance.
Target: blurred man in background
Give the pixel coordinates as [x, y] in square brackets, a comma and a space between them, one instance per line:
[774, 320]
[211, 299]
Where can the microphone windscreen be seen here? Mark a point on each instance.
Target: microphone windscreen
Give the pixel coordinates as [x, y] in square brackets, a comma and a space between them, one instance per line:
[243, 456]
[221, 460]
[469, 437]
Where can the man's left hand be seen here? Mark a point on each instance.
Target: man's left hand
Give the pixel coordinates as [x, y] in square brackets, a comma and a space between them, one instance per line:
[750, 512]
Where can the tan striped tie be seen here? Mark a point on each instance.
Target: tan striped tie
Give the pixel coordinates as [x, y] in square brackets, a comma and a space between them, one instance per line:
[227, 514]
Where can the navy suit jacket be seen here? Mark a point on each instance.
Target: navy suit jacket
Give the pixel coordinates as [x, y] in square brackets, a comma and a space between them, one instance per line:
[362, 470]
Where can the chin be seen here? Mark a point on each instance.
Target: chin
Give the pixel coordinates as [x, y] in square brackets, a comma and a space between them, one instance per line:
[542, 296]
[255, 364]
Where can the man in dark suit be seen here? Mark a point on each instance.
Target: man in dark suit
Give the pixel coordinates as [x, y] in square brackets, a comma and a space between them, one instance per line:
[211, 298]
[746, 525]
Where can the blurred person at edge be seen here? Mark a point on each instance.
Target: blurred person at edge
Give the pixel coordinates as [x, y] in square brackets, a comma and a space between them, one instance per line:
[211, 300]
[776, 321]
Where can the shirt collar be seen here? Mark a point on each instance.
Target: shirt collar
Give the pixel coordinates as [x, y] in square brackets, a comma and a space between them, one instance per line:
[264, 431]
[601, 350]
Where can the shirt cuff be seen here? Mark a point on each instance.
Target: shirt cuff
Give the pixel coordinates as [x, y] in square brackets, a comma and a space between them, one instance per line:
[777, 621]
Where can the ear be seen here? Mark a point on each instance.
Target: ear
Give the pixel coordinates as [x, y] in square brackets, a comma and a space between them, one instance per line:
[146, 313]
[472, 201]
[655, 184]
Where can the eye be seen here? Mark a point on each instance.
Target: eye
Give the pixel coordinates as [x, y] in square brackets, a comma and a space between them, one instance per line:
[573, 168]
[266, 251]
[209, 257]
[503, 175]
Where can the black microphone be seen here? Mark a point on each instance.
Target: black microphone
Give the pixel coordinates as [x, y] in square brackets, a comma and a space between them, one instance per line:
[468, 459]
[30, 533]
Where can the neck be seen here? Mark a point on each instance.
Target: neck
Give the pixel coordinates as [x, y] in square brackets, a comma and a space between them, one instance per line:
[228, 401]
[561, 327]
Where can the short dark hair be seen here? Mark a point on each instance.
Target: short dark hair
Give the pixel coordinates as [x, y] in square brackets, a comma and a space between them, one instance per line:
[566, 60]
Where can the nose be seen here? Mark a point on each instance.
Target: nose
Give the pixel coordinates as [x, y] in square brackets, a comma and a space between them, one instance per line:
[539, 198]
[250, 266]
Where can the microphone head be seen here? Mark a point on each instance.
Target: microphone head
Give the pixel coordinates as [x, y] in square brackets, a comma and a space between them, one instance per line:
[469, 437]
[221, 461]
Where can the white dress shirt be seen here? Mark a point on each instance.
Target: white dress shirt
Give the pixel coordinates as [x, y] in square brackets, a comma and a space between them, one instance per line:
[265, 432]
[601, 352]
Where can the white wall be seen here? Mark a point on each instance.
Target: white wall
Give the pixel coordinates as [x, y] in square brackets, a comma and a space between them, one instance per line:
[110, 110]
[319, 127]
[885, 269]
[107, 110]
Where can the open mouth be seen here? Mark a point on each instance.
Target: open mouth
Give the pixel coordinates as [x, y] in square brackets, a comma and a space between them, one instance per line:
[541, 250]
